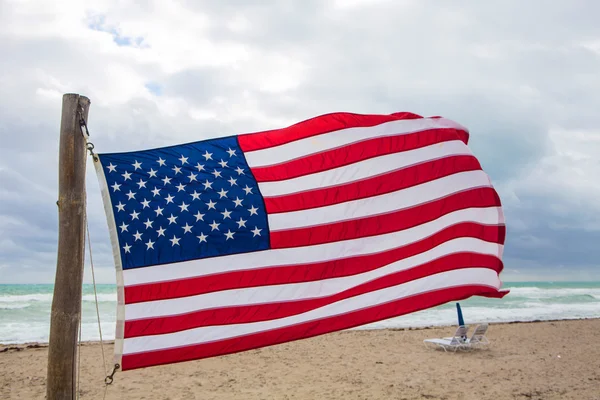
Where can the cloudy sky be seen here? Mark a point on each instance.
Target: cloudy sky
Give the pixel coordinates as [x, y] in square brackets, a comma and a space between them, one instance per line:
[523, 76]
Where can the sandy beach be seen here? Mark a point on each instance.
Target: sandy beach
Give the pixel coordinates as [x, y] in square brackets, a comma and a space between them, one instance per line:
[539, 360]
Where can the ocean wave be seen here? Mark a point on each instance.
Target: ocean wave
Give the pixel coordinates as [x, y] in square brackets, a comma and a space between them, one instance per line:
[550, 293]
[25, 298]
[47, 298]
[102, 297]
[13, 306]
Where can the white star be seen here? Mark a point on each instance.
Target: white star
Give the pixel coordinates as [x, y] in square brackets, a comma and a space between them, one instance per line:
[226, 214]
[126, 175]
[166, 180]
[256, 231]
[229, 234]
[183, 159]
[207, 185]
[195, 196]
[137, 235]
[131, 195]
[116, 187]
[175, 241]
[211, 204]
[192, 177]
[137, 165]
[156, 191]
[159, 211]
[253, 210]
[172, 219]
[237, 202]
[199, 216]
[145, 203]
[200, 167]
[232, 181]
[148, 223]
[123, 227]
[160, 161]
[222, 163]
[239, 171]
[231, 152]
[183, 206]
[134, 215]
[127, 248]
[111, 167]
[214, 225]
[120, 206]
[187, 228]
[217, 174]
[141, 183]
[161, 231]
[149, 244]
[152, 173]
[177, 169]
[248, 190]
[207, 155]
[202, 237]
[169, 198]
[222, 193]
[241, 223]
[180, 187]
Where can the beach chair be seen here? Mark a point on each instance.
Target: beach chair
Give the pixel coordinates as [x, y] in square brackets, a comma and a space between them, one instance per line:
[453, 343]
[478, 339]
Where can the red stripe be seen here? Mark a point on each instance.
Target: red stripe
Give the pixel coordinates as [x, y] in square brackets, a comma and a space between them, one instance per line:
[307, 329]
[355, 152]
[384, 223]
[316, 126]
[377, 185]
[307, 272]
[282, 309]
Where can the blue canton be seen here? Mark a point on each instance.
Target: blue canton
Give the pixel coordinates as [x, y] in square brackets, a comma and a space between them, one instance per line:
[185, 202]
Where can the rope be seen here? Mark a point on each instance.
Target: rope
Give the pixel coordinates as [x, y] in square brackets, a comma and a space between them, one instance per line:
[108, 380]
[87, 228]
[78, 393]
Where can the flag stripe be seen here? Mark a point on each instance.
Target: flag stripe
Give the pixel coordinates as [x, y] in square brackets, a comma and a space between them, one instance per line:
[302, 290]
[354, 152]
[362, 170]
[248, 313]
[309, 329]
[382, 204]
[304, 142]
[384, 223]
[309, 272]
[465, 276]
[386, 183]
[312, 254]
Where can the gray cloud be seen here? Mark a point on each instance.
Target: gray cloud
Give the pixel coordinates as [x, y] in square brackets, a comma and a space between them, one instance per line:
[511, 72]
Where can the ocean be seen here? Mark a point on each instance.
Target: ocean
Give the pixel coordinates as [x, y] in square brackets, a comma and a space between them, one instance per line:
[25, 309]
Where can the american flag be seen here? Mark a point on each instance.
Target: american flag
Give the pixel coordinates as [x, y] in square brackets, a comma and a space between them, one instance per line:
[240, 242]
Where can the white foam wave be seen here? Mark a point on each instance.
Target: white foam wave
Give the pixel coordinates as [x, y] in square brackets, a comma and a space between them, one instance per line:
[102, 297]
[25, 298]
[13, 306]
[542, 293]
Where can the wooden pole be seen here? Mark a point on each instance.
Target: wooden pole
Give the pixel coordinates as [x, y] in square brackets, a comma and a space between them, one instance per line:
[66, 303]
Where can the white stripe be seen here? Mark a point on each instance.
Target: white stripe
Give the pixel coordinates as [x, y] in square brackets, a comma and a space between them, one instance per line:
[304, 290]
[470, 276]
[382, 204]
[114, 239]
[309, 254]
[364, 169]
[343, 137]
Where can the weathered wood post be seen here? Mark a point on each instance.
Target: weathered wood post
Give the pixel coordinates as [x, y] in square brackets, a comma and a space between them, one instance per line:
[66, 303]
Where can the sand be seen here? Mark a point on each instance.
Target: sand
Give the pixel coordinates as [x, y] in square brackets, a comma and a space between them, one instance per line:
[543, 360]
